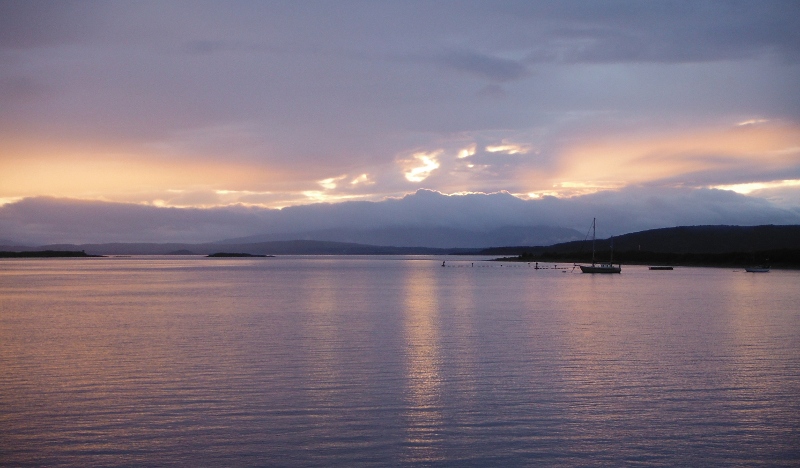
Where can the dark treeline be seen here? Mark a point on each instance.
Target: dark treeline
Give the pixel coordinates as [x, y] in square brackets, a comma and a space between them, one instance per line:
[778, 246]
[234, 255]
[786, 258]
[46, 254]
[698, 239]
[683, 239]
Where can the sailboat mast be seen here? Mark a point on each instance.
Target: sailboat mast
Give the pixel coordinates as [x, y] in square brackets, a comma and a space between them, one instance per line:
[594, 221]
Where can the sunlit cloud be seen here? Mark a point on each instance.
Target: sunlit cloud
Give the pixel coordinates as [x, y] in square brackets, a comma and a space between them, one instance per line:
[466, 152]
[751, 187]
[318, 196]
[508, 148]
[792, 150]
[363, 179]
[331, 183]
[264, 199]
[7, 200]
[752, 122]
[315, 195]
[572, 189]
[422, 164]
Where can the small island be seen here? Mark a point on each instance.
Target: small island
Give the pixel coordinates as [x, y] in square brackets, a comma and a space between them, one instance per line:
[235, 255]
[47, 254]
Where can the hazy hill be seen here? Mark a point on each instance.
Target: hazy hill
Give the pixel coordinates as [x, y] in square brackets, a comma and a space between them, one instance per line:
[678, 240]
[295, 247]
[427, 236]
[45, 220]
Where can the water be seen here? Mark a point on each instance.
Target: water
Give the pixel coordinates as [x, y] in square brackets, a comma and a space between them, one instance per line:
[376, 361]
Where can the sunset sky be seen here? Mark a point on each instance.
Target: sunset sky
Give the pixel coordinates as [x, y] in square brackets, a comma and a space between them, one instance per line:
[265, 105]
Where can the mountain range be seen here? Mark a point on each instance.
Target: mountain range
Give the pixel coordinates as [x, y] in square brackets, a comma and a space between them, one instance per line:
[389, 240]
[677, 240]
[437, 237]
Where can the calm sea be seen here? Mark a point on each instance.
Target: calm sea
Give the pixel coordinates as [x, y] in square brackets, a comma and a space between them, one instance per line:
[359, 361]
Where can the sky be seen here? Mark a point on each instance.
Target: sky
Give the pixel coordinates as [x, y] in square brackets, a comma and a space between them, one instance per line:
[229, 116]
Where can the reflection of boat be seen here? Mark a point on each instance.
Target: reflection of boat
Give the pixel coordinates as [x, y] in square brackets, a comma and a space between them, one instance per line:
[600, 267]
[757, 269]
[660, 267]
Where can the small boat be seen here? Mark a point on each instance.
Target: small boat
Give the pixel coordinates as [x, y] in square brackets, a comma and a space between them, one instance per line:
[600, 267]
[660, 267]
[757, 269]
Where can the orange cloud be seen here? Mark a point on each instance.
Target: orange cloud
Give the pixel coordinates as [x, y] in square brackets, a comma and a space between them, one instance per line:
[130, 172]
[114, 178]
[623, 161]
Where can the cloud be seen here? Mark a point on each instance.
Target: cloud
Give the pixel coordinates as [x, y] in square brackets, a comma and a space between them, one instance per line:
[28, 24]
[50, 220]
[420, 165]
[362, 179]
[484, 66]
[259, 102]
[331, 182]
[508, 148]
[663, 32]
[492, 91]
[695, 158]
[15, 90]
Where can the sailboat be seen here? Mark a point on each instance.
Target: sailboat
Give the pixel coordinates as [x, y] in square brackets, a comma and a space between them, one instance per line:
[600, 267]
[757, 268]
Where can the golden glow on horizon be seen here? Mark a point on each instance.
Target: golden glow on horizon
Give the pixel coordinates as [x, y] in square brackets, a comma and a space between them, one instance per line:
[117, 178]
[571, 189]
[606, 163]
[317, 196]
[240, 192]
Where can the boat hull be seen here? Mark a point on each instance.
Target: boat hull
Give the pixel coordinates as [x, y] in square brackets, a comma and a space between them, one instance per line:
[600, 269]
[757, 270]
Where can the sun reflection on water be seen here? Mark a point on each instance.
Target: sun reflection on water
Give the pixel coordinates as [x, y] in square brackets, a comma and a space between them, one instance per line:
[423, 415]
